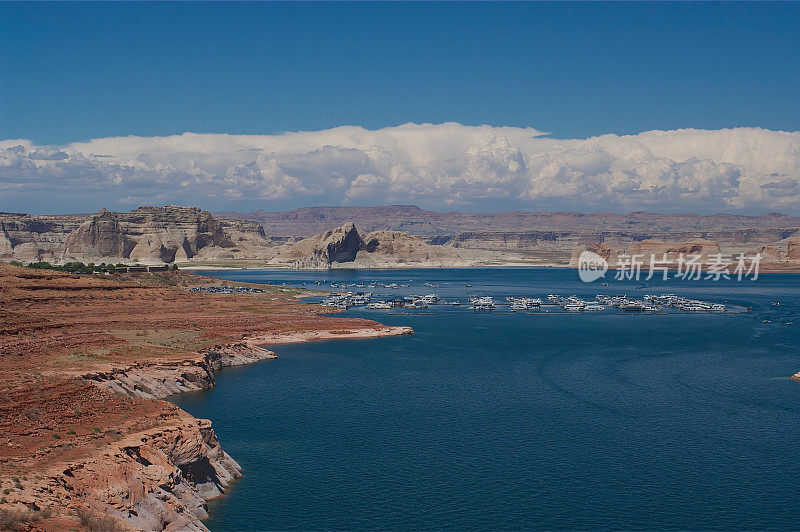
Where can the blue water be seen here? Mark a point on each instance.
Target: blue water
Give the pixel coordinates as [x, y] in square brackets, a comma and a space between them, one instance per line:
[518, 421]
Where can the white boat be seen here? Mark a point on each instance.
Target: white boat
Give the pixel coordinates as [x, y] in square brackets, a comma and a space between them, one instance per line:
[594, 307]
[525, 303]
[379, 306]
[482, 303]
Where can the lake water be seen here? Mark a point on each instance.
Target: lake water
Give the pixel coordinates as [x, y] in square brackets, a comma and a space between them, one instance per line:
[493, 420]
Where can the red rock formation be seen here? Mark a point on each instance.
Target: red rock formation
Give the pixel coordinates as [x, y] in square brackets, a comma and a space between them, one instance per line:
[793, 249]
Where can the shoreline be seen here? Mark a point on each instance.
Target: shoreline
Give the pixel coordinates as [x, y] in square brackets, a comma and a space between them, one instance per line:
[156, 471]
[158, 380]
[161, 477]
[87, 440]
[193, 267]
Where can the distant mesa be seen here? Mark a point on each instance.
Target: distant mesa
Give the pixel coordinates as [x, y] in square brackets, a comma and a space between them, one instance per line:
[147, 235]
[310, 221]
[387, 237]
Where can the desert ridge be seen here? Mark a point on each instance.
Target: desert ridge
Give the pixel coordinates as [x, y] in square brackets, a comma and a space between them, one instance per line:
[86, 440]
[412, 238]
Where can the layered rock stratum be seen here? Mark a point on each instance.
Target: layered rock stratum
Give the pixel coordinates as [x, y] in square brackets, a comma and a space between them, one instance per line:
[85, 440]
[308, 221]
[147, 235]
[523, 238]
[388, 237]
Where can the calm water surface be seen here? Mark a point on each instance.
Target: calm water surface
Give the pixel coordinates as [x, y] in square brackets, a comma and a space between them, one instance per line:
[501, 421]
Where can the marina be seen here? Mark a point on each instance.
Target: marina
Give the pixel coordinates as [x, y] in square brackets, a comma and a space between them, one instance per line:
[617, 386]
[390, 294]
[650, 304]
[227, 290]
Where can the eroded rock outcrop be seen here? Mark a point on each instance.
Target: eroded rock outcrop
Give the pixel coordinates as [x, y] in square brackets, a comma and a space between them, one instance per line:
[793, 248]
[335, 245]
[157, 479]
[156, 381]
[603, 249]
[156, 235]
[147, 235]
[659, 248]
[344, 247]
[30, 238]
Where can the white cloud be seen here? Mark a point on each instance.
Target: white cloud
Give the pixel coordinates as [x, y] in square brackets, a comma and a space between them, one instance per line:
[436, 166]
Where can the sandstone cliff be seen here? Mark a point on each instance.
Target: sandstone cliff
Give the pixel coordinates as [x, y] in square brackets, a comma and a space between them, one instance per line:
[411, 219]
[398, 249]
[147, 235]
[159, 380]
[344, 247]
[549, 238]
[335, 245]
[400, 236]
[33, 238]
[156, 479]
[85, 441]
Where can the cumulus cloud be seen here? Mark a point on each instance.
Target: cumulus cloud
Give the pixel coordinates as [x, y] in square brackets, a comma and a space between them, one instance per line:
[443, 166]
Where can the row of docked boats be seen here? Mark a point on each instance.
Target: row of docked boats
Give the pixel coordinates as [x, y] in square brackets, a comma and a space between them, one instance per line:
[350, 299]
[573, 303]
[345, 301]
[371, 284]
[524, 303]
[627, 304]
[684, 303]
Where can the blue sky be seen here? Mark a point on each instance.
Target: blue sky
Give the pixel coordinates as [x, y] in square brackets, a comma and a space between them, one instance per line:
[74, 71]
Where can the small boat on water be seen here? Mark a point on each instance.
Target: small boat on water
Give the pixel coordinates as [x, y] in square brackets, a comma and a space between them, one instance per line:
[482, 303]
[694, 308]
[524, 303]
